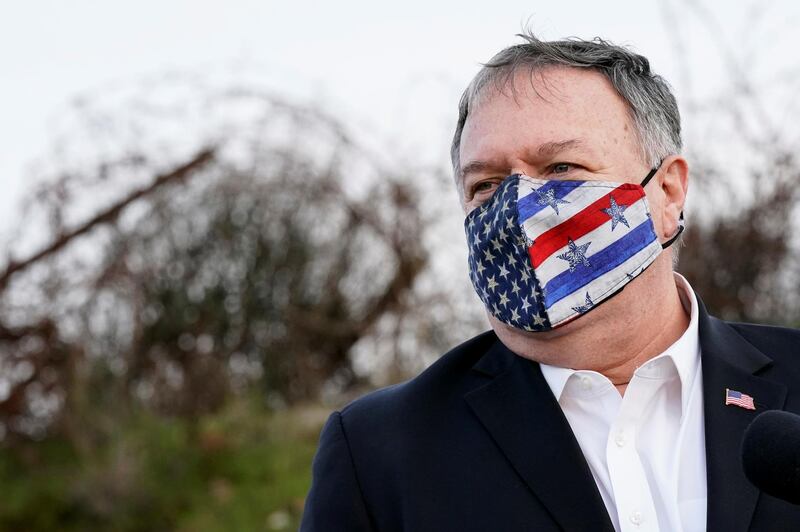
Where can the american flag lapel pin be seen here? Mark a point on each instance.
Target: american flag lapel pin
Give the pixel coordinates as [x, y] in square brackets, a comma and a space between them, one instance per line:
[742, 400]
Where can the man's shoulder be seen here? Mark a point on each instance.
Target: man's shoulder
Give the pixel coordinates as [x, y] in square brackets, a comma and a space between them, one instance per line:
[772, 340]
[781, 345]
[437, 387]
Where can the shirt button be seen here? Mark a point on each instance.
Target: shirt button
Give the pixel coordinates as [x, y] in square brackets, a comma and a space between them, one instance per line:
[586, 383]
[636, 518]
[619, 439]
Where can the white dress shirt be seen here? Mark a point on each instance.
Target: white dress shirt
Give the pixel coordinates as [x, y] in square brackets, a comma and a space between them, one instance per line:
[646, 449]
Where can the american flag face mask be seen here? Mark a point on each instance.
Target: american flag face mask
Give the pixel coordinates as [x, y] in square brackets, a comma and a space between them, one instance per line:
[544, 252]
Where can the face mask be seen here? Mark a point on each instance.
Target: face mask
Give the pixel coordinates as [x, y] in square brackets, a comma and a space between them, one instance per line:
[544, 252]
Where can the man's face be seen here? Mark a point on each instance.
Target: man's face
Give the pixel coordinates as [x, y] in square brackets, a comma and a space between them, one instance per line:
[565, 123]
[559, 123]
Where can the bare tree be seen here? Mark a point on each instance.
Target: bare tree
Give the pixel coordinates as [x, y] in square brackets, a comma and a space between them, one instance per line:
[742, 255]
[289, 245]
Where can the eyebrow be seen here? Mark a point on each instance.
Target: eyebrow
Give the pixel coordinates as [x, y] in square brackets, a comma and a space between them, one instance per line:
[551, 148]
[478, 166]
[548, 149]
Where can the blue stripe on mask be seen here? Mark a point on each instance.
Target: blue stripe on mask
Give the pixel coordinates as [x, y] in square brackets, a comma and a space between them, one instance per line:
[529, 205]
[602, 262]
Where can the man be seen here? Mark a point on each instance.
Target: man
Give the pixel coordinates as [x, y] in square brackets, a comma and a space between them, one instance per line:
[605, 397]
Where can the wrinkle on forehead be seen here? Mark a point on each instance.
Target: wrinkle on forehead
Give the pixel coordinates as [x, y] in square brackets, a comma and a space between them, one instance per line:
[538, 78]
[547, 84]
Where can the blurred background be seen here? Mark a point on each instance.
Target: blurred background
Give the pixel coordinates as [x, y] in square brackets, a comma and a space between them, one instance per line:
[221, 221]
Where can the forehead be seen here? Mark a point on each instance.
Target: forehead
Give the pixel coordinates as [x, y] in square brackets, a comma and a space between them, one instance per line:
[550, 105]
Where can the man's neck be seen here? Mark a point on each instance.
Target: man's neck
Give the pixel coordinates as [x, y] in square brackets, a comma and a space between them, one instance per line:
[616, 338]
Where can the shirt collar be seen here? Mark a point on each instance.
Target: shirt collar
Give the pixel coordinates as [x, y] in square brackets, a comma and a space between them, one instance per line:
[684, 353]
[556, 378]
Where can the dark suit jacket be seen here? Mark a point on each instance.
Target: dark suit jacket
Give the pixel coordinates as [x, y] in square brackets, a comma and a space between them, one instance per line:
[477, 442]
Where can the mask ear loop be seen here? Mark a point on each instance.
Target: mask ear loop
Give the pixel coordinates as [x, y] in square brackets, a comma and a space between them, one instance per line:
[681, 224]
[672, 240]
[650, 175]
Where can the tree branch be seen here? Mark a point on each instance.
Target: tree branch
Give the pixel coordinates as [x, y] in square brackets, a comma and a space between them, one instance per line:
[108, 215]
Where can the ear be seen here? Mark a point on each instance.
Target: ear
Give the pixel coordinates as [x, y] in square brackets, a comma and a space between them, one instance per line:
[673, 180]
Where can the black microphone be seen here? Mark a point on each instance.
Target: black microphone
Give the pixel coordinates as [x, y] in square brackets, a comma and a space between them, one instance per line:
[771, 454]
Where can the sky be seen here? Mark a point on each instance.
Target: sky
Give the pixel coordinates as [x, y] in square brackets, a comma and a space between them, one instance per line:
[395, 69]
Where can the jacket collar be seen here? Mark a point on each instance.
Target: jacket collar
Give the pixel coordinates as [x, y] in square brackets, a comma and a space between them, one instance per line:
[519, 411]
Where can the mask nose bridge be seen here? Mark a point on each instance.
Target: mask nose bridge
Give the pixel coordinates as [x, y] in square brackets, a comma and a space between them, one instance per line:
[520, 167]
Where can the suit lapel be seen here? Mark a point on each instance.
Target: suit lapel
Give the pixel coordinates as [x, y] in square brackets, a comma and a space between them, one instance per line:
[729, 361]
[519, 411]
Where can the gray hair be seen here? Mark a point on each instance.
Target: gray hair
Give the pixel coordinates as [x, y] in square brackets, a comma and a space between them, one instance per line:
[653, 109]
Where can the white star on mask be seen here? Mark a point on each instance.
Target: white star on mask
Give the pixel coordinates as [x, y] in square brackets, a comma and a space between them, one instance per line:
[575, 255]
[615, 211]
[549, 198]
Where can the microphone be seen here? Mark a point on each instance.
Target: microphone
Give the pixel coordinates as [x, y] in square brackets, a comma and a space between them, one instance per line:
[771, 454]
